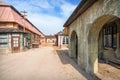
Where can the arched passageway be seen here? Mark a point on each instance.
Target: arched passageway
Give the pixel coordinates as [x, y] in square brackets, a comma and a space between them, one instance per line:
[74, 46]
[104, 41]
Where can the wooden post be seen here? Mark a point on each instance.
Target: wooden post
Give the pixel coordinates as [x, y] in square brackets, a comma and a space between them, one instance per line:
[24, 15]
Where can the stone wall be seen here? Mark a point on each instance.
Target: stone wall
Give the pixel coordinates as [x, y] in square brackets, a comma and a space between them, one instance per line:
[87, 27]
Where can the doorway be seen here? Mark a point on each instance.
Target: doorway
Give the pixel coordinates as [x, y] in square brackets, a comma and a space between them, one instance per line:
[15, 43]
[76, 56]
[74, 46]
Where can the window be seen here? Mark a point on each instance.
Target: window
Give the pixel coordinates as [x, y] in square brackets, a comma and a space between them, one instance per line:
[15, 42]
[20, 28]
[110, 35]
[67, 40]
[15, 34]
[3, 40]
[63, 40]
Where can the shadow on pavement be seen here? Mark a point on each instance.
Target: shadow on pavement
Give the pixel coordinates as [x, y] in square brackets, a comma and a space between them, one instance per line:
[65, 59]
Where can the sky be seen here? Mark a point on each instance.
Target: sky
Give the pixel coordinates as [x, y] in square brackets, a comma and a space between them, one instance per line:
[48, 16]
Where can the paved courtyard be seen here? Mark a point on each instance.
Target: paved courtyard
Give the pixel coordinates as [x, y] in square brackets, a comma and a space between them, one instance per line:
[44, 63]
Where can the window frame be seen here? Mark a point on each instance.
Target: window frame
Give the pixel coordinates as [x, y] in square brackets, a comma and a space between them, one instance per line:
[3, 41]
[110, 36]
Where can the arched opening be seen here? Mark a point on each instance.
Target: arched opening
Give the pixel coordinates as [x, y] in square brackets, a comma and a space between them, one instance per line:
[104, 41]
[74, 46]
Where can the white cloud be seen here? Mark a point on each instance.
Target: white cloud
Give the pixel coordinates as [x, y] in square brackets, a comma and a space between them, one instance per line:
[48, 24]
[40, 13]
[67, 9]
[56, 2]
[42, 4]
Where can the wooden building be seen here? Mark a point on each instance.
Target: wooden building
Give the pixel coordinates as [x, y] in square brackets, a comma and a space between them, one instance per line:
[16, 32]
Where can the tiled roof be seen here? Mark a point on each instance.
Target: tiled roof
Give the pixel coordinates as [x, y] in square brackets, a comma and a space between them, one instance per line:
[9, 30]
[9, 14]
[60, 33]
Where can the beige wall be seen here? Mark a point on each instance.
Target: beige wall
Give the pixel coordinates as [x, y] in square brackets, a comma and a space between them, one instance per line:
[51, 40]
[6, 25]
[42, 40]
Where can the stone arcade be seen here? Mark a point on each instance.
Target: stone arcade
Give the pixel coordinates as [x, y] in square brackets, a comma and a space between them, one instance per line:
[94, 33]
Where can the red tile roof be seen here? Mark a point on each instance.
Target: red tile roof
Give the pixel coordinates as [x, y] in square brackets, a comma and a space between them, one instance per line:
[9, 14]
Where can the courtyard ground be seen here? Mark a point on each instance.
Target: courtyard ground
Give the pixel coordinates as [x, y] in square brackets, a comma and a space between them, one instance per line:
[48, 63]
[109, 71]
[42, 63]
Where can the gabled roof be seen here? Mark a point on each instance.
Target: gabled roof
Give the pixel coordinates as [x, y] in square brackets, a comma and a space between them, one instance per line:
[60, 33]
[81, 8]
[9, 14]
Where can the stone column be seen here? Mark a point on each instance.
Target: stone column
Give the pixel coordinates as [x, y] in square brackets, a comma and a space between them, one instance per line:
[117, 52]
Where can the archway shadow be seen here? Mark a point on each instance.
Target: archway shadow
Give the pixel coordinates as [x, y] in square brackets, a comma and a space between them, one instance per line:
[111, 63]
[65, 59]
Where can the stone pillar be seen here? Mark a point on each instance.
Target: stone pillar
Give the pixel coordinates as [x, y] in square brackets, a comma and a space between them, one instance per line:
[70, 47]
[117, 52]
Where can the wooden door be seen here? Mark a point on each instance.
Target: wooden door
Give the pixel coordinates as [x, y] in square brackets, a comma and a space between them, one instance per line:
[15, 43]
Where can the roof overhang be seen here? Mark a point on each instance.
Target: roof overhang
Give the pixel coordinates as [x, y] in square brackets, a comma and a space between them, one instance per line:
[81, 8]
[34, 29]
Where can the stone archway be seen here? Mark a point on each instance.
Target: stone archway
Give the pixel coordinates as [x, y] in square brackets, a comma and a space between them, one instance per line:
[74, 46]
[93, 41]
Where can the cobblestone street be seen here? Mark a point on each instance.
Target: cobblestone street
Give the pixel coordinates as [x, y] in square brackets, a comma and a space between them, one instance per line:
[44, 63]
